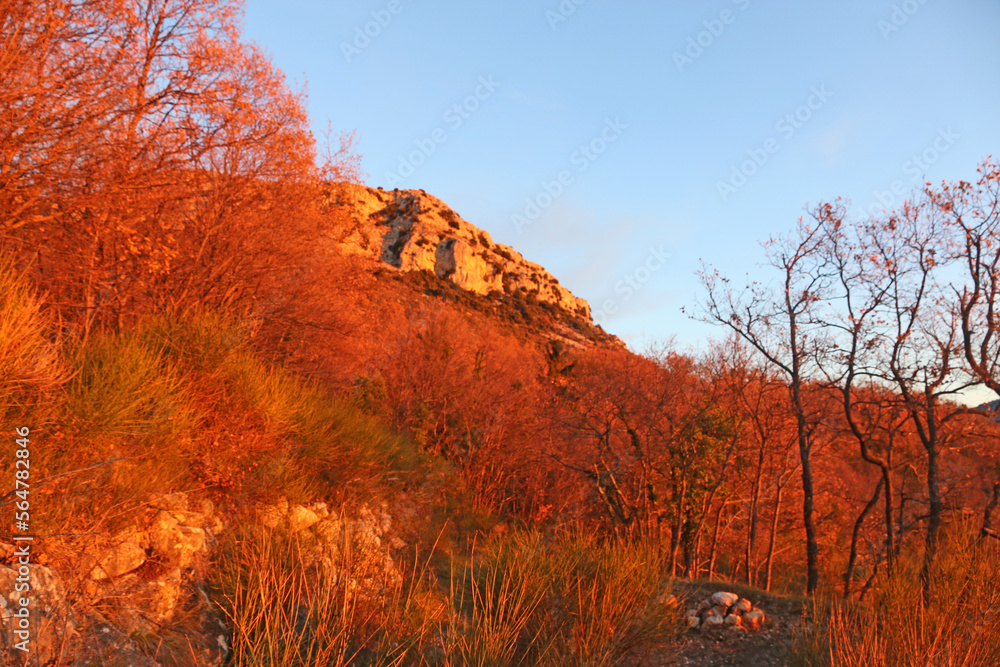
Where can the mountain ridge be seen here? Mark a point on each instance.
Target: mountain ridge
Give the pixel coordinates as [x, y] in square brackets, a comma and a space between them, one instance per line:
[412, 230]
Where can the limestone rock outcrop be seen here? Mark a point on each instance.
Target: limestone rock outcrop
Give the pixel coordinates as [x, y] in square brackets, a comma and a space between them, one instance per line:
[353, 552]
[134, 584]
[412, 231]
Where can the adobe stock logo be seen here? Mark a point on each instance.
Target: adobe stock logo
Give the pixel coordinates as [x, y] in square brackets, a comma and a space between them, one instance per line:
[915, 168]
[900, 16]
[786, 127]
[581, 158]
[697, 44]
[363, 36]
[455, 117]
[631, 283]
[565, 9]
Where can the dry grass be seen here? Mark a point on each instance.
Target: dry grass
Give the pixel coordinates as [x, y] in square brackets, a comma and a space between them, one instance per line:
[515, 601]
[960, 628]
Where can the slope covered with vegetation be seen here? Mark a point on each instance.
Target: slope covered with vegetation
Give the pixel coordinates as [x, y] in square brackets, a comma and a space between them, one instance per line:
[185, 344]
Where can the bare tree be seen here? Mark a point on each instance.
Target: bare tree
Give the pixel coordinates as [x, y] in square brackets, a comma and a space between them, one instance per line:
[780, 324]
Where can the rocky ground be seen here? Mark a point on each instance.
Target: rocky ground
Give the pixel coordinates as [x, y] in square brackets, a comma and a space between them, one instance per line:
[766, 647]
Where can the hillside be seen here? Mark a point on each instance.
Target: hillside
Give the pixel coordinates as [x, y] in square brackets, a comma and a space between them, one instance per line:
[258, 414]
[439, 253]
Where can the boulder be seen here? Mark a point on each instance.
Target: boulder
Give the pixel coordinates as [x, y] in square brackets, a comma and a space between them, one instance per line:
[712, 622]
[300, 518]
[126, 553]
[753, 619]
[723, 599]
[743, 605]
[52, 621]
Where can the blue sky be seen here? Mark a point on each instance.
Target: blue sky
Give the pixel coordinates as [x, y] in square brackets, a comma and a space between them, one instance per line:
[598, 138]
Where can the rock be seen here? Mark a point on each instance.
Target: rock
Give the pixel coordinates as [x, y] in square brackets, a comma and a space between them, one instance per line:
[274, 515]
[52, 621]
[693, 621]
[733, 619]
[712, 622]
[300, 518]
[704, 606]
[126, 553]
[723, 599]
[720, 611]
[414, 231]
[176, 538]
[753, 619]
[104, 644]
[742, 606]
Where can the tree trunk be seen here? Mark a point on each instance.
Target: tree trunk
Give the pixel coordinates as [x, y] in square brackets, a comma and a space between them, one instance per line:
[856, 534]
[752, 523]
[774, 535]
[715, 541]
[987, 529]
[933, 523]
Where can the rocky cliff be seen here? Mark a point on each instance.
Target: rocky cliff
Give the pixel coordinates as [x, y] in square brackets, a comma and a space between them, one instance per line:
[413, 231]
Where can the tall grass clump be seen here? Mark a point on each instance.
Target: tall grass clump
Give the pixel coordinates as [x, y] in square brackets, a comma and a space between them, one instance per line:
[959, 628]
[29, 361]
[289, 605]
[576, 600]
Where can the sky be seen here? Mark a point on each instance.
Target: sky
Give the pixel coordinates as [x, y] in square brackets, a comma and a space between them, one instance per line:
[625, 145]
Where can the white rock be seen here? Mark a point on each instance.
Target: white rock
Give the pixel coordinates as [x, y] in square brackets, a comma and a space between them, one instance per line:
[712, 621]
[723, 599]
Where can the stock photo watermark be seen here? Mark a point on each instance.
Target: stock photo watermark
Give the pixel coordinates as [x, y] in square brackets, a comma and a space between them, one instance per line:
[786, 127]
[915, 169]
[20, 614]
[455, 116]
[363, 35]
[900, 16]
[631, 283]
[704, 39]
[562, 13]
[581, 158]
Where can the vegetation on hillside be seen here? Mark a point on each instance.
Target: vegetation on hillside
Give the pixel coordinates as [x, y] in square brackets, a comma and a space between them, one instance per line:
[171, 321]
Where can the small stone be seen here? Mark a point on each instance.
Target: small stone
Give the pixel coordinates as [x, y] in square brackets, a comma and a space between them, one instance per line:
[693, 621]
[733, 619]
[301, 518]
[128, 554]
[720, 611]
[743, 606]
[705, 605]
[753, 619]
[723, 599]
[712, 622]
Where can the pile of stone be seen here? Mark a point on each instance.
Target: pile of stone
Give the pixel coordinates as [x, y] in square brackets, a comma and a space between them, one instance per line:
[725, 610]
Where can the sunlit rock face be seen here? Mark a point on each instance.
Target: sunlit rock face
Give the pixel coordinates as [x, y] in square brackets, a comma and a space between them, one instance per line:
[414, 231]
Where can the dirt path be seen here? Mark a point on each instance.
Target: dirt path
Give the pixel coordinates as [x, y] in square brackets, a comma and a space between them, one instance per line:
[767, 647]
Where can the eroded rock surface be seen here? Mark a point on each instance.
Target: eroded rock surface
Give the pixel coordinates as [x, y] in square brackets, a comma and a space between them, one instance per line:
[413, 231]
